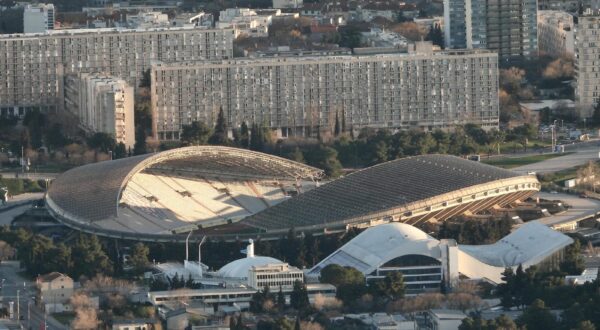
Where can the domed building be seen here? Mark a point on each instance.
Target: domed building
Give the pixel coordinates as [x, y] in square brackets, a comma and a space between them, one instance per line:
[425, 261]
[261, 271]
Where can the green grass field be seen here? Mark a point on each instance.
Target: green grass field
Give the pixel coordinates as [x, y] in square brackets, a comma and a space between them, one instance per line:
[510, 162]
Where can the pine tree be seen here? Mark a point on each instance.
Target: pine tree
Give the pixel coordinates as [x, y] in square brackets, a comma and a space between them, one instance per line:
[299, 297]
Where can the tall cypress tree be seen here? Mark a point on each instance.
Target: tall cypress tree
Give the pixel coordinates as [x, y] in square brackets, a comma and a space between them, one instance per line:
[219, 136]
[244, 135]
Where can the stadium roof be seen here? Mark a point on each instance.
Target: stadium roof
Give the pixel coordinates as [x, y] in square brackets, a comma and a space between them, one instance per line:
[241, 194]
[92, 192]
[396, 186]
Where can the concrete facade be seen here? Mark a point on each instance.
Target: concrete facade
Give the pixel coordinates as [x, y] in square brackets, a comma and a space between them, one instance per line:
[423, 89]
[54, 291]
[102, 104]
[587, 51]
[508, 27]
[33, 66]
[38, 18]
[556, 34]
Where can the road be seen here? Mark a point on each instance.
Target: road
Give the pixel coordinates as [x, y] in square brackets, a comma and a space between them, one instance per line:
[29, 175]
[33, 317]
[17, 206]
[581, 154]
[580, 208]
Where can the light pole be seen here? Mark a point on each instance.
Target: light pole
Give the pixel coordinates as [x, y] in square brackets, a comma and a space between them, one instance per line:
[18, 305]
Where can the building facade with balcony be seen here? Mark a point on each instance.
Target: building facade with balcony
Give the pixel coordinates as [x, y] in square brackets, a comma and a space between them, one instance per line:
[300, 95]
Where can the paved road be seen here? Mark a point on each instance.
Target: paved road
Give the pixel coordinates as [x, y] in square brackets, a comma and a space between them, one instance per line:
[32, 316]
[582, 153]
[580, 208]
[30, 175]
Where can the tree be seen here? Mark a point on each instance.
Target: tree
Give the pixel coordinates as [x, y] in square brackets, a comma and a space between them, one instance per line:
[296, 155]
[596, 115]
[337, 275]
[102, 141]
[573, 263]
[120, 151]
[89, 258]
[390, 287]
[538, 317]
[219, 136]
[244, 136]
[497, 137]
[299, 296]
[337, 129]
[585, 325]
[436, 36]
[280, 300]
[139, 257]
[588, 175]
[324, 158]
[146, 81]
[195, 134]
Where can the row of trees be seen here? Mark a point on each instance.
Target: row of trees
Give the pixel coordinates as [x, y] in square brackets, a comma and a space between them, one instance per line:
[371, 146]
[476, 231]
[40, 255]
[352, 286]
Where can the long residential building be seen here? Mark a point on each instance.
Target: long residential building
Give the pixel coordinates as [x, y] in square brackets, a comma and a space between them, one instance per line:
[587, 51]
[33, 66]
[508, 27]
[423, 89]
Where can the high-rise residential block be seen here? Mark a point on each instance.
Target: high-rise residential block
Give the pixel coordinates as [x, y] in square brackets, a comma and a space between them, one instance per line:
[508, 27]
[102, 104]
[424, 89]
[587, 58]
[556, 35]
[33, 66]
[38, 18]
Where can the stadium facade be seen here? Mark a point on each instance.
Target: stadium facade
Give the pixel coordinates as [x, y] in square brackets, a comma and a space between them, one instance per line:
[426, 262]
[236, 193]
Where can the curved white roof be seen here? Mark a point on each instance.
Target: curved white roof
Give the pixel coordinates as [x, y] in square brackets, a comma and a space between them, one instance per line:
[380, 244]
[239, 268]
[530, 244]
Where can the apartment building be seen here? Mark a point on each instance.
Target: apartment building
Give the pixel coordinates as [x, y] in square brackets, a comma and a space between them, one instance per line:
[38, 18]
[102, 104]
[508, 27]
[556, 34]
[587, 57]
[54, 291]
[33, 66]
[423, 89]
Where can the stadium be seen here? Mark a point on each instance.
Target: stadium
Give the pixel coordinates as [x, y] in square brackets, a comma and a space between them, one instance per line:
[230, 193]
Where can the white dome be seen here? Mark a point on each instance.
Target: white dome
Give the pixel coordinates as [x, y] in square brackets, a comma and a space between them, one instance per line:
[239, 268]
